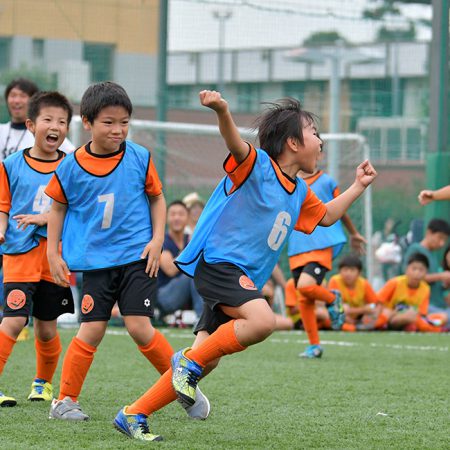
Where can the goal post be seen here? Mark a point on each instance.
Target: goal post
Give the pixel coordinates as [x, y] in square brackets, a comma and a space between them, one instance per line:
[189, 157]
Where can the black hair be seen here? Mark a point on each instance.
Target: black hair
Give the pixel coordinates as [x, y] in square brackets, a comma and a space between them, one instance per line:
[27, 86]
[282, 120]
[439, 226]
[52, 98]
[420, 258]
[350, 261]
[445, 265]
[101, 95]
[178, 202]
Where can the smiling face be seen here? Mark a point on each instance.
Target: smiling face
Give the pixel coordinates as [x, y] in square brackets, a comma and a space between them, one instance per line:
[17, 103]
[109, 129]
[50, 129]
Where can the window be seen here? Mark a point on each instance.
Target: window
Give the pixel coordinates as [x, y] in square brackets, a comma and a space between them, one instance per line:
[249, 97]
[38, 49]
[5, 50]
[100, 56]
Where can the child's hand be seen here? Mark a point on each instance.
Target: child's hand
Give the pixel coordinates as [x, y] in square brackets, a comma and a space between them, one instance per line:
[59, 270]
[425, 197]
[2, 238]
[23, 220]
[357, 243]
[213, 100]
[365, 174]
[152, 252]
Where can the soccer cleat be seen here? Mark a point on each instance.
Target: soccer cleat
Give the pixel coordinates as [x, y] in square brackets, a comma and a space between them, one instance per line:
[336, 311]
[7, 401]
[134, 426]
[185, 376]
[66, 409]
[201, 408]
[41, 391]
[312, 352]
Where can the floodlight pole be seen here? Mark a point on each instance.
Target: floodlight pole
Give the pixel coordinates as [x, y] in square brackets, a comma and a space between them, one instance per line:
[335, 111]
[222, 17]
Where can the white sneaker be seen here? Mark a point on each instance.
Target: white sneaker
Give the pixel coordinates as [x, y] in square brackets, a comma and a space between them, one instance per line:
[201, 408]
[66, 409]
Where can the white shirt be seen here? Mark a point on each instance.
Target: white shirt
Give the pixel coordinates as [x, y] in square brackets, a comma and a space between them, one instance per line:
[17, 138]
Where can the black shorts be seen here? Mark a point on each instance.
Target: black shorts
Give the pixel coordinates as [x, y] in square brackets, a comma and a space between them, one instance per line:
[42, 299]
[221, 284]
[314, 269]
[129, 286]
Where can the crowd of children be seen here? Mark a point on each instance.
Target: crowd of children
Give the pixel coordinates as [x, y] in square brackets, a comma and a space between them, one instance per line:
[101, 211]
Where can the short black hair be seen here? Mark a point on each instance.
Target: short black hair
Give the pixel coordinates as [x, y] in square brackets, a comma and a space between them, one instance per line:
[25, 85]
[439, 226]
[351, 261]
[101, 95]
[282, 120]
[51, 98]
[177, 202]
[420, 258]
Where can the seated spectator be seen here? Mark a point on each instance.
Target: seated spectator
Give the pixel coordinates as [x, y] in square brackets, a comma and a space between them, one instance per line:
[195, 206]
[175, 289]
[360, 301]
[436, 237]
[406, 298]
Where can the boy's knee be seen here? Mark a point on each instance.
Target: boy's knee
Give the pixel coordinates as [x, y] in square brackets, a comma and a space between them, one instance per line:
[12, 326]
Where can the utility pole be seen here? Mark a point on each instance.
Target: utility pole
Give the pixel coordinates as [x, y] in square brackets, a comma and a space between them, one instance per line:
[222, 17]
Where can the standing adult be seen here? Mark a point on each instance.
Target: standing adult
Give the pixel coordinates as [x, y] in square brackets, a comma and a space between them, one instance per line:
[14, 135]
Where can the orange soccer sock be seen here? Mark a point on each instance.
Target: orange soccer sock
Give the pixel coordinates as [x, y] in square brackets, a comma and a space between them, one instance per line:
[324, 324]
[308, 313]
[349, 327]
[423, 325]
[381, 322]
[158, 351]
[78, 359]
[316, 292]
[47, 355]
[6, 346]
[222, 342]
[158, 396]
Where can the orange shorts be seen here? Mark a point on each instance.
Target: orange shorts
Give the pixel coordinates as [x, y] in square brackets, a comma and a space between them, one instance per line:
[28, 267]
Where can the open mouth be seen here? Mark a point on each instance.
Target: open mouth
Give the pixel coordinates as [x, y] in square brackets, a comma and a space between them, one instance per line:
[52, 138]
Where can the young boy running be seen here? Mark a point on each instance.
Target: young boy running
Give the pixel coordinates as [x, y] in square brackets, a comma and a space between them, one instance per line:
[310, 258]
[110, 210]
[237, 242]
[28, 285]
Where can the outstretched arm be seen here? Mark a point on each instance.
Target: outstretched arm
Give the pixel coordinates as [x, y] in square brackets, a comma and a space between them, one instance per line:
[3, 226]
[336, 208]
[428, 196]
[357, 241]
[236, 145]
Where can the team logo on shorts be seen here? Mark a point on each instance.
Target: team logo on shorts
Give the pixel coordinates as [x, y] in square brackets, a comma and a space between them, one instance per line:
[246, 283]
[146, 302]
[16, 299]
[87, 305]
[65, 302]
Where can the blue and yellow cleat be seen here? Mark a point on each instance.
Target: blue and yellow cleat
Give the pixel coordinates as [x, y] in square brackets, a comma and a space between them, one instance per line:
[41, 391]
[185, 376]
[6, 401]
[312, 352]
[336, 311]
[134, 426]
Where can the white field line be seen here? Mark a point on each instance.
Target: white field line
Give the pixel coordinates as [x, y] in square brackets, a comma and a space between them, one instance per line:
[276, 340]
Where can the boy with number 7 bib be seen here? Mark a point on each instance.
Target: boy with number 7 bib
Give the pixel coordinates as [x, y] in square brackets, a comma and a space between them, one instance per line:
[110, 211]
[237, 242]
